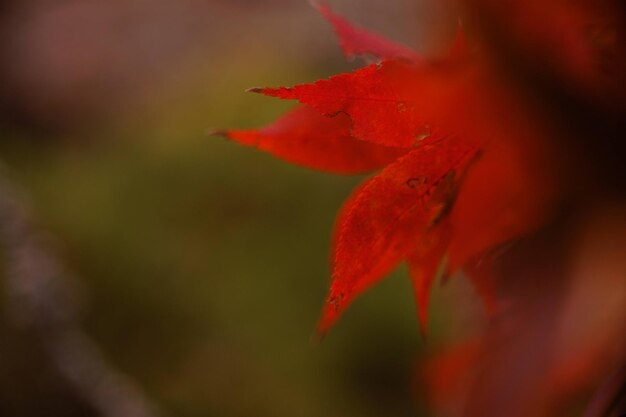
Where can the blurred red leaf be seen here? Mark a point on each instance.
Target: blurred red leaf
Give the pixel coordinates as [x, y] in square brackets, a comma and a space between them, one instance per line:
[507, 194]
[356, 41]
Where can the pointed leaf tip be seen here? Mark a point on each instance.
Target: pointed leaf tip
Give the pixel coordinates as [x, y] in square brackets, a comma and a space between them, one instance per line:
[316, 338]
[258, 90]
[329, 316]
[211, 131]
[424, 263]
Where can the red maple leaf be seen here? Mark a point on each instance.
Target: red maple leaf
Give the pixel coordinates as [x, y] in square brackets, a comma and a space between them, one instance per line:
[456, 149]
[469, 161]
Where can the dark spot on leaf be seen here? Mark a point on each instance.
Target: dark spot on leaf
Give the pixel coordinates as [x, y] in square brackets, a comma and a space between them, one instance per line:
[416, 181]
[423, 134]
[335, 300]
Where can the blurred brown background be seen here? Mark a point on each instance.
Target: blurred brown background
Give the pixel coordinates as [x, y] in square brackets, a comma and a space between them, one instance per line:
[151, 270]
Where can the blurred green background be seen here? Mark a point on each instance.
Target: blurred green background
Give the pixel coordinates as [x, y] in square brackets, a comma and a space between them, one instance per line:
[201, 266]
